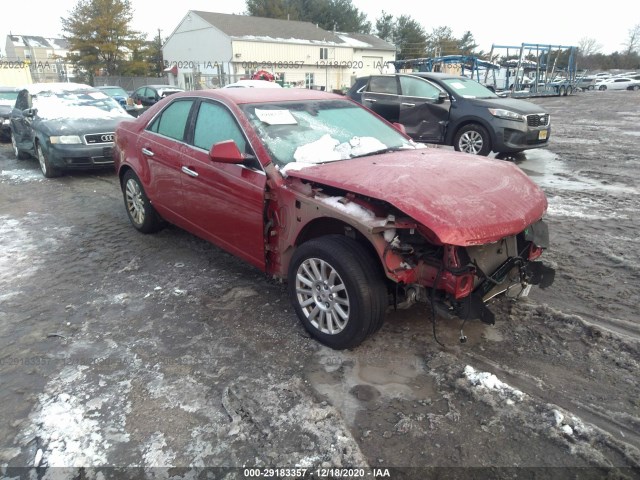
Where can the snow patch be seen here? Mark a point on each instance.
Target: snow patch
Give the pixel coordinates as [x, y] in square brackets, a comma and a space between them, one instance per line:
[20, 176]
[489, 381]
[156, 453]
[350, 208]
[328, 149]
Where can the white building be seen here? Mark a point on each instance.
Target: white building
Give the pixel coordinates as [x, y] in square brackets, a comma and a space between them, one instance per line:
[45, 57]
[211, 49]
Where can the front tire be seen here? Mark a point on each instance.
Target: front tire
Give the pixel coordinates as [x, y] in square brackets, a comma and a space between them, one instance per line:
[337, 291]
[602, 88]
[48, 170]
[139, 209]
[473, 139]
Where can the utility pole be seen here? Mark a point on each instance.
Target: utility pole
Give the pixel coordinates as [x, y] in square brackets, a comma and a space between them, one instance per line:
[159, 62]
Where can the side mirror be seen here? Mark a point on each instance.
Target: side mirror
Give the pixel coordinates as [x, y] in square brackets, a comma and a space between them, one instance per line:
[442, 97]
[400, 127]
[29, 112]
[226, 152]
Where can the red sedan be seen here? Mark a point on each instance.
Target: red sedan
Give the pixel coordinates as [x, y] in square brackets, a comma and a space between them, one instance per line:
[315, 189]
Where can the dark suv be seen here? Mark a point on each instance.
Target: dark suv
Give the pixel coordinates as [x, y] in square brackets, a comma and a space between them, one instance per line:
[454, 110]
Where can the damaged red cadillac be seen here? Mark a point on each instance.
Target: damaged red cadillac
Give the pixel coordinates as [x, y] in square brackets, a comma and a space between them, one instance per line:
[315, 189]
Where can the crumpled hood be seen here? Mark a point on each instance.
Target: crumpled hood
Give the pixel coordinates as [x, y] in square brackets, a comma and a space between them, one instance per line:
[463, 199]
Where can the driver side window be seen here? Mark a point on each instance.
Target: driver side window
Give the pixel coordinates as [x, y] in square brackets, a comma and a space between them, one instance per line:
[216, 124]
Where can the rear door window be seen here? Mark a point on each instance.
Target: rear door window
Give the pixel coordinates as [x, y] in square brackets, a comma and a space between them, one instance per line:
[383, 85]
[172, 121]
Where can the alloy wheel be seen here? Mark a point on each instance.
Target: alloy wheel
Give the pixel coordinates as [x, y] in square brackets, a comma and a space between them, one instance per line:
[471, 142]
[135, 202]
[322, 296]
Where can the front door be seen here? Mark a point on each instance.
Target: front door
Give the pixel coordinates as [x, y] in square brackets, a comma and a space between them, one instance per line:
[424, 109]
[224, 203]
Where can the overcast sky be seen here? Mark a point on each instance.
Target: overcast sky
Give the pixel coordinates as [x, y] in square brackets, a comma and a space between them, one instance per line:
[490, 22]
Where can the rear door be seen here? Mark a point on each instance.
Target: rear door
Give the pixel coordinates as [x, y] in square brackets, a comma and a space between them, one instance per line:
[224, 203]
[162, 145]
[424, 109]
[382, 96]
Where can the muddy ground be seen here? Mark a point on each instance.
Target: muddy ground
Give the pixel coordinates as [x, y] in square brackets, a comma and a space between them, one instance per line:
[128, 350]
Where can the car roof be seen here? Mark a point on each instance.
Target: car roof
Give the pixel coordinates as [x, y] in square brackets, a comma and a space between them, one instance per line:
[57, 87]
[254, 83]
[261, 95]
[173, 87]
[437, 75]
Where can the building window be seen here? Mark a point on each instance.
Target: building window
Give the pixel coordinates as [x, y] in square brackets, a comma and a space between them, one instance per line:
[324, 53]
[308, 80]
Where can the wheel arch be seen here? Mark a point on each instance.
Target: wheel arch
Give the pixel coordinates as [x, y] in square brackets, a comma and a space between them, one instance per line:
[463, 122]
[122, 172]
[323, 226]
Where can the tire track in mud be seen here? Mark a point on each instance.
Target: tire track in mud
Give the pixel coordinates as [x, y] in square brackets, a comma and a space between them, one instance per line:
[539, 389]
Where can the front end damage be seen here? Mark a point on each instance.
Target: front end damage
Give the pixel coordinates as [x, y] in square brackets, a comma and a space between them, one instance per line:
[460, 281]
[457, 280]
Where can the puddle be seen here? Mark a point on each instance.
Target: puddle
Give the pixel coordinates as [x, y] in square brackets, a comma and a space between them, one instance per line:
[548, 171]
[351, 380]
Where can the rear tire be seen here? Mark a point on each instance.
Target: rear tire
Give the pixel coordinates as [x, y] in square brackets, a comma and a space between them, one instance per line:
[19, 154]
[337, 291]
[602, 88]
[139, 209]
[474, 139]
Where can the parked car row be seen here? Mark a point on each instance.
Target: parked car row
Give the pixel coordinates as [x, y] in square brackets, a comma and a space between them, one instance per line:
[120, 95]
[619, 83]
[313, 188]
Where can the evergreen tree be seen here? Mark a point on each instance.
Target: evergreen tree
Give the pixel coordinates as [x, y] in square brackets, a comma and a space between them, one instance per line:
[99, 36]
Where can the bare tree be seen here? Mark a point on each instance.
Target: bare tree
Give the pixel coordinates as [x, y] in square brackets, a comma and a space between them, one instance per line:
[633, 40]
[588, 46]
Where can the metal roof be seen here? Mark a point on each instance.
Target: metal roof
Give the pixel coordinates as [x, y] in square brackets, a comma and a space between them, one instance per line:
[246, 27]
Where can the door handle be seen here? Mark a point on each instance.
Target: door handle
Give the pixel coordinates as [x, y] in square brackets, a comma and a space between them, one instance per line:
[147, 152]
[188, 171]
[408, 104]
[371, 100]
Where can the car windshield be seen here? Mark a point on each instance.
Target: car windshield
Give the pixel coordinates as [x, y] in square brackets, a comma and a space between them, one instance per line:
[8, 96]
[321, 131]
[468, 88]
[76, 104]
[115, 92]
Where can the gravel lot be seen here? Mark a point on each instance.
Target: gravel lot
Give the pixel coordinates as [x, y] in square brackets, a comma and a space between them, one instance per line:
[129, 350]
